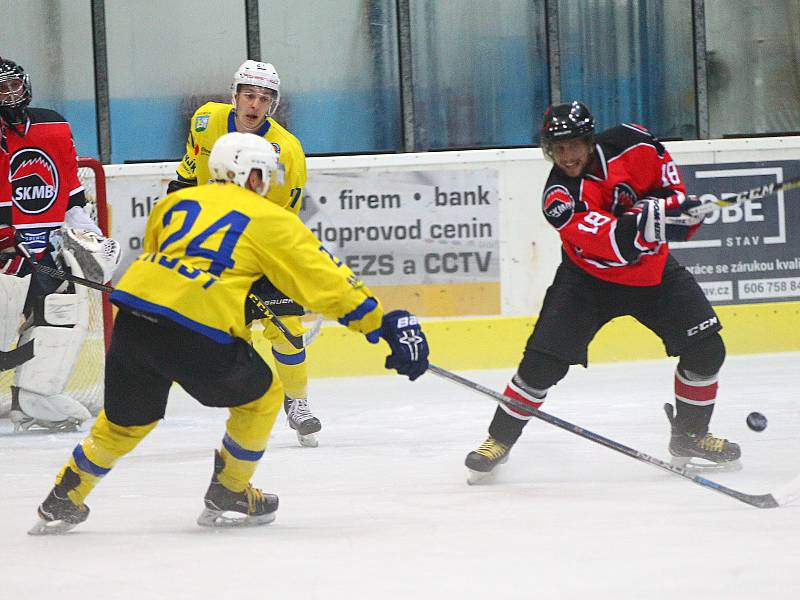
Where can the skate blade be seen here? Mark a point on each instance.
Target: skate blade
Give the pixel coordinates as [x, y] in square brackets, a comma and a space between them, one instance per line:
[30, 425]
[698, 466]
[479, 477]
[221, 519]
[307, 441]
[43, 527]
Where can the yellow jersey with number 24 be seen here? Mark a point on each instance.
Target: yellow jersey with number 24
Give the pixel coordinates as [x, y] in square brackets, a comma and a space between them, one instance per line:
[205, 246]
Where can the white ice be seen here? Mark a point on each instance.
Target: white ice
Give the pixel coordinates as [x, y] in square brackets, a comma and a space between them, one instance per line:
[381, 509]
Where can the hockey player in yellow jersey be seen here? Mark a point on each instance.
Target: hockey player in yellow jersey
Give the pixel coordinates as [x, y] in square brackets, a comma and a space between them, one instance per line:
[182, 319]
[255, 97]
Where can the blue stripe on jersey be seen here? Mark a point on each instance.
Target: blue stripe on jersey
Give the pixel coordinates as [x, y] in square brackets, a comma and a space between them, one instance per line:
[373, 337]
[132, 302]
[289, 359]
[264, 128]
[362, 309]
[84, 464]
[241, 453]
[232, 124]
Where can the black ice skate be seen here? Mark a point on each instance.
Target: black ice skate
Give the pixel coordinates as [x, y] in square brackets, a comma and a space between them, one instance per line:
[701, 451]
[252, 506]
[299, 417]
[481, 462]
[58, 514]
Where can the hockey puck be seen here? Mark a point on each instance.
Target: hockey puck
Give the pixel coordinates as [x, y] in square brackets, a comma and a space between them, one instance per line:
[756, 421]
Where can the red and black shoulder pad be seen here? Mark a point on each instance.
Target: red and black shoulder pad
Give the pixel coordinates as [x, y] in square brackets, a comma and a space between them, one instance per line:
[558, 205]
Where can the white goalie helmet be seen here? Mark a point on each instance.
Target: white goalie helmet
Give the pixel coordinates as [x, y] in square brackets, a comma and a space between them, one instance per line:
[261, 74]
[235, 155]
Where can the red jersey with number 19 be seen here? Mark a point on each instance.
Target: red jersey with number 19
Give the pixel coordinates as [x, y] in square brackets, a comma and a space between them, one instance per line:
[629, 164]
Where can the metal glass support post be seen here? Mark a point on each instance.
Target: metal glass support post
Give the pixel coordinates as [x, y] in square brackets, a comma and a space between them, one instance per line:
[553, 50]
[406, 75]
[700, 68]
[101, 94]
[253, 30]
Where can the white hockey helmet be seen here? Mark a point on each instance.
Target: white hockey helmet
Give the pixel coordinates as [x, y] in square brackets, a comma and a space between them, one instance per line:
[235, 155]
[261, 74]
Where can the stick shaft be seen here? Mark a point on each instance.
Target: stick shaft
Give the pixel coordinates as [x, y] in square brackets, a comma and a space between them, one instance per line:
[756, 193]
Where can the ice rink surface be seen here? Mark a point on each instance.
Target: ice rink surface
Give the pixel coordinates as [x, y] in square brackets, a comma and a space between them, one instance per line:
[381, 509]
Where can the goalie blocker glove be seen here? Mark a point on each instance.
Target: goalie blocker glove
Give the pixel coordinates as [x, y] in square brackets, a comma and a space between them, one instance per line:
[403, 333]
[98, 256]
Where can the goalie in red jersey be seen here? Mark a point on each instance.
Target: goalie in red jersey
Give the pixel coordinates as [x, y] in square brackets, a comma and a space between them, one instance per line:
[608, 196]
[42, 207]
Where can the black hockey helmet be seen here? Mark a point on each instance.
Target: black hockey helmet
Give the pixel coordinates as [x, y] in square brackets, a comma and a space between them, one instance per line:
[15, 91]
[565, 122]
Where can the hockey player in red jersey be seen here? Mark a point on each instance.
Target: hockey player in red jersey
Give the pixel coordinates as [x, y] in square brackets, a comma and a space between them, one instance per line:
[608, 196]
[42, 207]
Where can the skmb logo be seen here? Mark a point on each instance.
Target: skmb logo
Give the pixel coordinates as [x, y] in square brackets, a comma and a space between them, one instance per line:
[34, 181]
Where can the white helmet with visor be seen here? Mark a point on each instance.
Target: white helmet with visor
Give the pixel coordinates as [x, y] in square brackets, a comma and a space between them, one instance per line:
[259, 74]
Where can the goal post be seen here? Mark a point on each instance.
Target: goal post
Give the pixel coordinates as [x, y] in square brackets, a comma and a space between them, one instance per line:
[93, 178]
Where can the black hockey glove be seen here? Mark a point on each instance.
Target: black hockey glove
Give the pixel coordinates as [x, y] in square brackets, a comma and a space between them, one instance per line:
[178, 184]
[687, 209]
[409, 346]
[280, 304]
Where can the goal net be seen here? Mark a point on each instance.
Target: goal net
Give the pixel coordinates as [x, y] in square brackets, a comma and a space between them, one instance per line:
[86, 380]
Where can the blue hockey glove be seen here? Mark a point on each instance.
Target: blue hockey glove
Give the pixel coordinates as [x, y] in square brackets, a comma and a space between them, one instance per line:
[409, 347]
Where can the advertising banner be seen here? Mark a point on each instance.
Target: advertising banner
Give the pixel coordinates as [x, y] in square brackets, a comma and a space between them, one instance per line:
[748, 253]
[425, 240]
[133, 198]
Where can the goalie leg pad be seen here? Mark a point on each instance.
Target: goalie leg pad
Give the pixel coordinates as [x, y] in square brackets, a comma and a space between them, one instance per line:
[56, 350]
[52, 411]
[58, 330]
[13, 291]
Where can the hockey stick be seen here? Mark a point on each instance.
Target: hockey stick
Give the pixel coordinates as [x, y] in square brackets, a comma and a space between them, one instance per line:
[261, 305]
[757, 500]
[746, 196]
[295, 340]
[63, 275]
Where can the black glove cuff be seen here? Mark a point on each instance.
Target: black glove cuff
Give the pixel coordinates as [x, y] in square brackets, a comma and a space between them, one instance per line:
[625, 234]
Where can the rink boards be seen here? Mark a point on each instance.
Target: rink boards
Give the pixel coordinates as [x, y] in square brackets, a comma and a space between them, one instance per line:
[484, 343]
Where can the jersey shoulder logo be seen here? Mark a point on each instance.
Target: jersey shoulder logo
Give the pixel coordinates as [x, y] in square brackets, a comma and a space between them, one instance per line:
[277, 148]
[34, 180]
[558, 206]
[201, 123]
